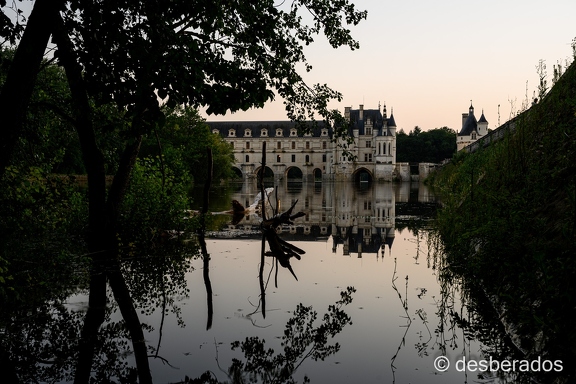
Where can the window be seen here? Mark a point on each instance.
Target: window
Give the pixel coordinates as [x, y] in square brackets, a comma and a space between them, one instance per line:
[473, 136]
[324, 132]
[247, 145]
[369, 144]
[293, 145]
[307, 145]
[324, 145]
[264, 132]
[279, 145]
[323, 158]
[279, 132]
[367, 157]
[247, 132]
[277, 158]
[293, 158]
[293, 132]
[368, 130]
[232, 133]
[215, 131]
[247, 158]
[367, 204]
[307, 158]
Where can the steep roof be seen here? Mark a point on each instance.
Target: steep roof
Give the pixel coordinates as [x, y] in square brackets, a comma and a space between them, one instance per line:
[256, 128]
[470, 125]
[482, 118]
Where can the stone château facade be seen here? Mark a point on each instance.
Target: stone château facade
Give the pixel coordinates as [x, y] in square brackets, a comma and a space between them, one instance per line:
[314, 156]
[472, 129]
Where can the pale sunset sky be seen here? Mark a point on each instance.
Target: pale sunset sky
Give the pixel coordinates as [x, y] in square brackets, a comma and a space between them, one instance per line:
[427, 59]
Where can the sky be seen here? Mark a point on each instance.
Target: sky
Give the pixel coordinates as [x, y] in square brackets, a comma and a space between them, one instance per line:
[426, 60]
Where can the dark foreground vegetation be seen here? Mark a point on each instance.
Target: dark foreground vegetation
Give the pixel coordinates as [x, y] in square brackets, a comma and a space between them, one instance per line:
[508, 233]
[110, 89]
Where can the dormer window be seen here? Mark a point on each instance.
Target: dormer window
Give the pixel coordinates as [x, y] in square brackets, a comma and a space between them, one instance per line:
[247, 133]
[293, 132]
[264, 132]
[473, 136]
[307, 134]
[279, 132]
[324, 132]
[215, 131]
[231, 133]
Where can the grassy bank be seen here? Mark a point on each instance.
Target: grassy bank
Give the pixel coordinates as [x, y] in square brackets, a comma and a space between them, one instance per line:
[507, 227]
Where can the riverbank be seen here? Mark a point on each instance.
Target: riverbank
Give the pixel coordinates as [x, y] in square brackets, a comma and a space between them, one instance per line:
[507, 228]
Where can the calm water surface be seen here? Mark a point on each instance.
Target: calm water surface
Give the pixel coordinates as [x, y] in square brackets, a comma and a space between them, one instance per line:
[372, 237]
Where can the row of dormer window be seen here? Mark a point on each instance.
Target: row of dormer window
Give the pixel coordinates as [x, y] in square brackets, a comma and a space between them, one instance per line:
[264, 132]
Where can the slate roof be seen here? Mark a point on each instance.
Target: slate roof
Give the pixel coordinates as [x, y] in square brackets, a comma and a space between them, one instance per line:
[482, 119]
[257, 126]
[377, 121]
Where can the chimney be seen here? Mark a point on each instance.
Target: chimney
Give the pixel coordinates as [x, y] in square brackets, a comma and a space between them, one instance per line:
[464, 117]
[361, 114]
[347, 113]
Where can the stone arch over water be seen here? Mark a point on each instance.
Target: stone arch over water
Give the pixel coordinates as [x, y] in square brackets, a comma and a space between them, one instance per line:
[362, 175]
[294, 173]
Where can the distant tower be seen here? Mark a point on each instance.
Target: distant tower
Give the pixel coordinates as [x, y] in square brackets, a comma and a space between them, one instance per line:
[472, 129]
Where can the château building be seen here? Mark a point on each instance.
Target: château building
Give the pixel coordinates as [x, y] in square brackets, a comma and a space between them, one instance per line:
[291, 154]
[472, 129]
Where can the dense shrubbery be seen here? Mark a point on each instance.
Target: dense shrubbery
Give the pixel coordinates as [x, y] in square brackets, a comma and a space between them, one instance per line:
[508, 225]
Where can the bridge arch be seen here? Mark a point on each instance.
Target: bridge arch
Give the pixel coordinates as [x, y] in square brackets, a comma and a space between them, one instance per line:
[294, 173]
[268, 172]
[362, 174]
[317, 174]
[237, 173]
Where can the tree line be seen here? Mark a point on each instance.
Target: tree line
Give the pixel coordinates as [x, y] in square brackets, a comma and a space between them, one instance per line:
[431, 146]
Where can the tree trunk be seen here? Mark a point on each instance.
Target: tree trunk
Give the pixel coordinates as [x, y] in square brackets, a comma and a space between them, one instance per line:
[17, 89]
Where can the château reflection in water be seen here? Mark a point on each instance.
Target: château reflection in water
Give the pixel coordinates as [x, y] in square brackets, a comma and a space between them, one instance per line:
[359, 218]
[369, 236]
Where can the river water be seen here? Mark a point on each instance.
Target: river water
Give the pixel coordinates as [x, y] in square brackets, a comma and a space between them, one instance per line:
[370, 236]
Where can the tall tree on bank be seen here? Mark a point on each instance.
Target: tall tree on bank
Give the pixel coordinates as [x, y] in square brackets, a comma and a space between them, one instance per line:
[225, 55]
